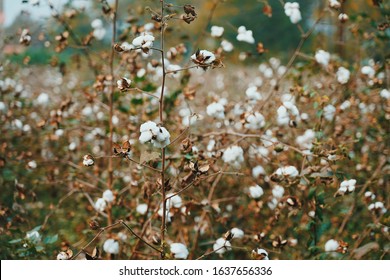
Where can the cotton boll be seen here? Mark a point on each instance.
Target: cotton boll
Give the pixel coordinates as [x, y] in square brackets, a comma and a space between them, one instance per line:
[368, 71]
[234, 156]
[100, 205]
[237, 233]
[385, 93]
[111, 246]
[142, 208]
[331, 245]
[216, 110]
[322, 57]
[329, 112]
[278, 191]
[221, 246]
[256, 191]
[217, 31]
[179, 250]
[245, 35]
[343, 75]
[257, 171]
[108, 196]
[290, 171]
[227, 46]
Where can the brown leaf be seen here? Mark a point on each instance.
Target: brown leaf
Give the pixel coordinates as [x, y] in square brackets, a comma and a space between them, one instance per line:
[149, 156]
[365, 249]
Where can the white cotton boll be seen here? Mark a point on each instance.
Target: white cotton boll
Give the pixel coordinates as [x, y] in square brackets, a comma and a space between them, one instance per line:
[262, 252]
[216, 110]
[278, 191]
[203, 57]
[347, 186]
[237, 233]
[144, 41]
[99, 33]
[385, 93]
[331, 245]
[334, 4]
[16, 123]
[234, 156]
[125, 46]
[142, 208]
[292, 10]
[257, 171]
[211, 145]
[221, 246]
[149, 26]
[59, 132]
[329, 112]
[100, 205]
[273, 203]
[345, 105]
[252, 94]
[217, 31]
[111, 246]
[256, 191]
[87, 111]
[172, 68]
[290, 171]
[368, 71]
[97, 23]
[179, 250]
[141, 72]
[255, 121]
[343, 75]
[26, 128]
[3, 107]
[108, 196]
[174, 201]
[322, 57]
[268, 73]
[227, 46]
[122, 236]
[32, 164]
[343, 17]
[245, 35]
[305, 141]
[72, 146]
[168, 215]
[43, 98]
[62, 256]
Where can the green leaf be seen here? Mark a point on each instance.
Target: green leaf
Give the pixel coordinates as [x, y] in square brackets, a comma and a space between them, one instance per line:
[15, 241]
[51, 239]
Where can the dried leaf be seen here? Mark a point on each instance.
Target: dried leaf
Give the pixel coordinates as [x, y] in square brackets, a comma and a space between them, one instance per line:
[149, 156]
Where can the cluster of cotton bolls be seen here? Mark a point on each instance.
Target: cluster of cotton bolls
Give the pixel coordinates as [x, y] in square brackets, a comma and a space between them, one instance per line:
[157, 135]
[98, 29]
[101, 203]
[291, 9]
[374, 206]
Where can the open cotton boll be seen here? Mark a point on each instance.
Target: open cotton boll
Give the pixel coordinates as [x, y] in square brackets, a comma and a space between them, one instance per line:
[256, 191]
[385, 93]
[142, 208]
[261, 252]
[278, 191]
[108, 196]
[221, 245]
[237, 233]
[111, 246]
[290, 171]
[245, 35]
[343, 75]
[175, 201]
[216, 110]
[331, 245]
[255, 121]
[292, 10]
[217, 31]
[368, 71]
[322, 57]
[234, 156]
[227, 46]
[257, 171]
[100, 205]
[179, 250]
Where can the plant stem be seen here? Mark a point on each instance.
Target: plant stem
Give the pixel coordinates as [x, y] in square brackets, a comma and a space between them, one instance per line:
[161, 109]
